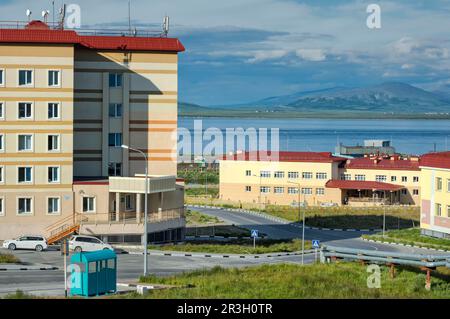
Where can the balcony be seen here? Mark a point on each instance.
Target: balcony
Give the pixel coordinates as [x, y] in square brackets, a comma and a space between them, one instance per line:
[136, 185]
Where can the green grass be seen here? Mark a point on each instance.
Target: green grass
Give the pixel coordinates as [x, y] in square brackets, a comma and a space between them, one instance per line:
[342, 280]
[199, 176]
[411, 237]
[8, 259]
[209, 192]
[220, 230]
[240, 246]
[19, 294]
[196, 218]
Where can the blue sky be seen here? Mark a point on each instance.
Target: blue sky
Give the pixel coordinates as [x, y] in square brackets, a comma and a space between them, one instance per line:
[245, 50]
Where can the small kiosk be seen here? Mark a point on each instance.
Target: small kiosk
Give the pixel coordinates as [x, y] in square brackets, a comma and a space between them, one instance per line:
[93, 273]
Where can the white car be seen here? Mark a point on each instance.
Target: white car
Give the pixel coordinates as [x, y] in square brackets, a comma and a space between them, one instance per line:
[81, 243]
[34, 242]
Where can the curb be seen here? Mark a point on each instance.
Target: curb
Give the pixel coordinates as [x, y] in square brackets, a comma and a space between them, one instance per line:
[404, 245]
[243, 256]
[220, 237]
[27, 268]
[284, 221]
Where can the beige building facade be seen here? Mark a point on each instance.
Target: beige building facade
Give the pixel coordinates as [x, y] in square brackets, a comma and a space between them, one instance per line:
[67, 104]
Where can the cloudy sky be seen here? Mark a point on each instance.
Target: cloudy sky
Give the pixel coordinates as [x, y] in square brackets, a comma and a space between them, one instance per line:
[245, 50]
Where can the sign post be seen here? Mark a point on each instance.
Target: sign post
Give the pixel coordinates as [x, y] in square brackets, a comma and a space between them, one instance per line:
[315, 245]
[65, 253]
[254, 234]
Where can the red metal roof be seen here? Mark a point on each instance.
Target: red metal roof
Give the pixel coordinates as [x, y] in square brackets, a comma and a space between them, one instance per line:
[36, 33]
[362, 185]
[388, 164]
[438, 160]
[319, 157]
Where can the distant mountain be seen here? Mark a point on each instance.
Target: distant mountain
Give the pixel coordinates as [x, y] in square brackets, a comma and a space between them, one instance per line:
[392, 97]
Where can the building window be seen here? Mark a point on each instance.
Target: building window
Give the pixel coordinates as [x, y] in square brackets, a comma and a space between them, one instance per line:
[53, 143]
[320, 191]
[307, 191]
[360, 177]
[88, 204]
[248, 188]
[415, 179]
[115, 139]
[2, 77]
[115, 169]
[115, 110]
[2, 176]
[438, 183]
[292, 190]
[25, 111]
[53, 174]
[248, 173]
[321, 175]
[53, 78]
[264, 189]
[278, 174]
[53, 111]
[448, 183]
[24, 205]
[346, 177]
[438, 210]
[53, 205]
[307, 175]
[415, 192]
[404, 191]
[448, 210]
[265, 174]
[25, 77]
[2, 146]
[25, 143]
[2, 206]
[2, 111]
[393, 178]
[380, 178]
[278, 190]
[25, 174]
[293, 175]
[404, 179]
[128, 202]
[115, 80]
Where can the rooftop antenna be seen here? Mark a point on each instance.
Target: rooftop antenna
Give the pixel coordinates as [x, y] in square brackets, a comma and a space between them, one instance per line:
[129, 17]
[166, 26]
[53, 13]
[62, 17]
[29, 14]
[45, 14]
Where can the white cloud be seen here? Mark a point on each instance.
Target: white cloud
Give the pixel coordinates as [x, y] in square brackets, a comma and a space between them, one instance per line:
[311, 54]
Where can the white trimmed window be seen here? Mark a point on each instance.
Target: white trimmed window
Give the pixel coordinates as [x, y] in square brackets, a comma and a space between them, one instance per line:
[415, 179]
[2, 174]
[264, 189]
[448, 187]
[321, 175]
[438, 183]
[2, 77]
[53, 143]
[53, 174]
[293, 175]
[415, 192]
[115, 80]
[54, 78]
[88, 204]
[2, 111]
[393, 178]
[115, 139]
[25, 77]
[25, 110]
[53, 111]
[381, 178]
[248, 188]
[307, 175]
[25, 142]
[448, 210]
[307, 191]
[53, 205]
[404, 191]
[25, 174]
[115, 110]
[438, 210]
[248, 173]
[2, 142]
[278, 174]
[404, 179]
[359, 177]
[346, 177]
[2, 206]
[115, 169]
[320, 191]
[292, 190]
[265, 174]
[278, 190]
[24, 205]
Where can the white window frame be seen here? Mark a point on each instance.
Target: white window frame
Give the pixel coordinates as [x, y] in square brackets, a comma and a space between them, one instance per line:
[393, 178]
[360, 177]
[115, 139]
[416, 191]
[439, 182]
[438, 209]
[2, 174]
[346, 177]
[305, 189]
[2, 77]
[404, 179]
[2, 206]
[58, 104]
[293, 175]
[32, 143]
[32, 111]
[58, 212]
[94, 204]
[59, 143]
[278, 190]
[265, 174]
[116, 75]
[59, 78]
[278, 174]
[416, 179]
[18, 198]
[58, 181]
[307, 175]
[265, 188]
[28, 84]
[321, 175]
[448, 184]
[248, 189]
[3, 108]
[2, 144]
[115, 106]
[381, 178]
[293, 190]
[248, 172]
[320, 191]
[32, 174]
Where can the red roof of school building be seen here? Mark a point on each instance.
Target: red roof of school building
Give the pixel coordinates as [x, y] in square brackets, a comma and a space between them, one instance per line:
[388, 163]
[362, 185]
[438, 160]
[39, 32]
[312, 157]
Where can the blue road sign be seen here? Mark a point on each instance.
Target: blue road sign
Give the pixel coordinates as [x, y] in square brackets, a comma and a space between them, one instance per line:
[316, 243]
[254, 233]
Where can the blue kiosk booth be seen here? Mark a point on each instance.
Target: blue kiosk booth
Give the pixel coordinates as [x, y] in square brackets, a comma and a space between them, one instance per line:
[93, 273]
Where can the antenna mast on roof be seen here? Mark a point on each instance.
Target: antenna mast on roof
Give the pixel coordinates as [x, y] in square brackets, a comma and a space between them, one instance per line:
[166, 26]
[29, 14]
[62, 17]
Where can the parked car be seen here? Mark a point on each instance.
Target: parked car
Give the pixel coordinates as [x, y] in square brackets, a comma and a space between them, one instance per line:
[329, 205]
[81, 243]
[35, 242]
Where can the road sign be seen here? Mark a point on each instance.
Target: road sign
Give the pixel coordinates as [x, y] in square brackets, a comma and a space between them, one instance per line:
[316, 243]
[254, 233]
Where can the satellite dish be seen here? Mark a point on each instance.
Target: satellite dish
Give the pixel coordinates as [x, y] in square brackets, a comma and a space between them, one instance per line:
[29, 14]
[166, 25]
[45, 14]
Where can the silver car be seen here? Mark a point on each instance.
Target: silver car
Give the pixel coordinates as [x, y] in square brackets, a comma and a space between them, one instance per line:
[34, 242]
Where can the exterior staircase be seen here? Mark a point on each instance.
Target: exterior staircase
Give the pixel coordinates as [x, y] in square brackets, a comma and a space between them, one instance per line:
[63, 228]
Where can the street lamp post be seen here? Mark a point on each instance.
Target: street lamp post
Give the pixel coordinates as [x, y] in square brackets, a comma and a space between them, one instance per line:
[145, 207]
[303, 223]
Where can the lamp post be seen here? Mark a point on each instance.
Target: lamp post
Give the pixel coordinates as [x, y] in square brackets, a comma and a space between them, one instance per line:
[145, 207]
[303, 223]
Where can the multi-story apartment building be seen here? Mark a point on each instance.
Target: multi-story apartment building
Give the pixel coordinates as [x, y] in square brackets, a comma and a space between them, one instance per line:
[322, 179]
[67, 104]
[435, 199]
